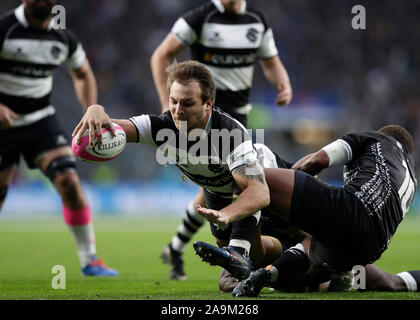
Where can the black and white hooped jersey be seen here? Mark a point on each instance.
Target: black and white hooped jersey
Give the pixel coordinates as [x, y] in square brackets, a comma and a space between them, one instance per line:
[206, 157]
[228, 44]
[381, 174]
[28, 57]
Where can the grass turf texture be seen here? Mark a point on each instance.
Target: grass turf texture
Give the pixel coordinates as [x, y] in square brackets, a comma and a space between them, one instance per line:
[29, 250]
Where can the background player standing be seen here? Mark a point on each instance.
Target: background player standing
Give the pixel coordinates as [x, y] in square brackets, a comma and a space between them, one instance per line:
[228, 37]
[31, 50]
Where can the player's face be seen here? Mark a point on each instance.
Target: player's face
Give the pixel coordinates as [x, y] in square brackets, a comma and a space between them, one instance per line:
[40, 9]
[185, 104]
[232, 5]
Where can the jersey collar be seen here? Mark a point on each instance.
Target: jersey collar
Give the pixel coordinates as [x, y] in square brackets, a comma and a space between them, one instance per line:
[219, 5]
[208, 124]
[20, 16]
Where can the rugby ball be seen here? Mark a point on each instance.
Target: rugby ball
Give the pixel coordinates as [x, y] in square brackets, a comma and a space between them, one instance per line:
[110, 149]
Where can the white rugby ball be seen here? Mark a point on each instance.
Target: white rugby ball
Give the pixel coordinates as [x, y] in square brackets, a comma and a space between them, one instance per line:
[110, 149]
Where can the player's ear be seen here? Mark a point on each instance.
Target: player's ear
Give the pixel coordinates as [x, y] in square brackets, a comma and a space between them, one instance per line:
[208, 105]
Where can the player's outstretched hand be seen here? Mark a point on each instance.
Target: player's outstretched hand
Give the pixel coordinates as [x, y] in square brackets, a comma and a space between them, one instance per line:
[284, 96]
[94, 119]
[6, 116]
[213, 216]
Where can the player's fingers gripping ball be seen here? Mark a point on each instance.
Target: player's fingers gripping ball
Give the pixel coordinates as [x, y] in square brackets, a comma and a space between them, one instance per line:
[110, 149]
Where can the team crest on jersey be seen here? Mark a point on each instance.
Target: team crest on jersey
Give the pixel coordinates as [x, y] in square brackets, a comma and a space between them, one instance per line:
[55, 52]
[216, 37]
[252, 34]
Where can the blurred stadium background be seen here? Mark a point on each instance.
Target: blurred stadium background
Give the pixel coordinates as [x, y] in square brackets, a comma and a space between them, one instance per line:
[343, 80]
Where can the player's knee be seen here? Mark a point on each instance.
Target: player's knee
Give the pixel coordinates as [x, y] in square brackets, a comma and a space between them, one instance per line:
[67, 183]
[59, 166]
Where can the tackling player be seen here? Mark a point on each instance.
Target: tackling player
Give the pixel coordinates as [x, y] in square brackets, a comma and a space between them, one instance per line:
[31, 49]
[351, 225]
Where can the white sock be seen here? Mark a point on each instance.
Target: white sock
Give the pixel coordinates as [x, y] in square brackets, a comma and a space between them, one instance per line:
[177, 244]
[409, 280]
[191, 223]
[245, 244]
[84, 237]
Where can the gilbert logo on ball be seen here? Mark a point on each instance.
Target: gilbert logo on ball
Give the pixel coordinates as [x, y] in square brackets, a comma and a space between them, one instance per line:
[110, 149]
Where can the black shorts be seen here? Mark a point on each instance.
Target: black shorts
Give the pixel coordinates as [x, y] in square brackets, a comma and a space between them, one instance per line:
[270, 225]
[30, 141]
[336, 219]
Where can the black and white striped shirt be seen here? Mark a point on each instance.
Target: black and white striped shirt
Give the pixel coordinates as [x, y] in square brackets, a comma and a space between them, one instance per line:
[228, 44]
[28, 58]
[207, 162]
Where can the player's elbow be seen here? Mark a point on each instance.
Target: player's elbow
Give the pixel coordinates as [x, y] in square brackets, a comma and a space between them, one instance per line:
[159, 57]
[154, 58]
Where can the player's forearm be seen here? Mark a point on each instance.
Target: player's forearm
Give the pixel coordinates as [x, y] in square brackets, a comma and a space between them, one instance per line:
[276, 73]
[313, 163]
[159, 62]
[298, 165]
[86, 90]
[250, 201]
[129, 128]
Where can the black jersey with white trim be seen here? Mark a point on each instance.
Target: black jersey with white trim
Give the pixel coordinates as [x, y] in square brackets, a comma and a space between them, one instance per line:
[381, 175]
[207, 161]
[229, 45]
[28, 58]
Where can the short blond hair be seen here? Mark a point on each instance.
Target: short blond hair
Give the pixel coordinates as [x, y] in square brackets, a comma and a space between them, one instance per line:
[186, 71]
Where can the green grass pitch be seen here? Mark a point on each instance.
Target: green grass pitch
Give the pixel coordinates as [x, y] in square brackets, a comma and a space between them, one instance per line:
[29, 250]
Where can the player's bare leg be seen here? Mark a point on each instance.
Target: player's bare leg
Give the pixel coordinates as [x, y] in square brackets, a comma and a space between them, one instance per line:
[58, 165]
[280, 182]
[192, 221]
[6, 176]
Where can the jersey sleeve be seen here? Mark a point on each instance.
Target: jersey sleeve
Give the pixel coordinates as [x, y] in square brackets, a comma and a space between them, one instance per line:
[187, 29]
[357, 141]
[77, 54]
[143, 125]
[268, 47]
[5, 21]
[154, 130]
[183, 32]
[241, 155]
